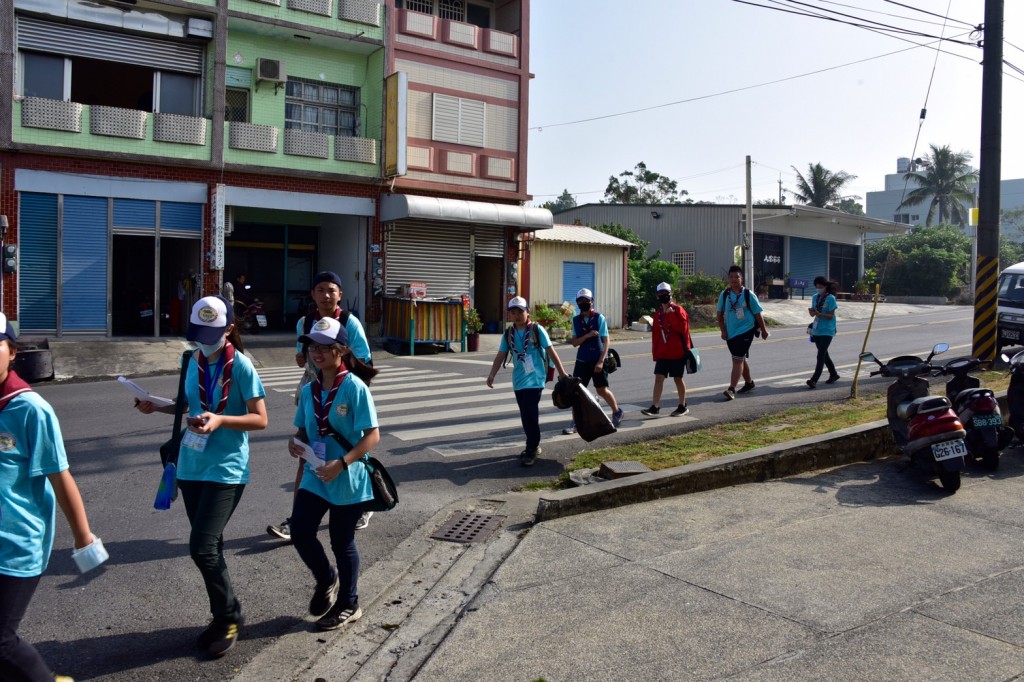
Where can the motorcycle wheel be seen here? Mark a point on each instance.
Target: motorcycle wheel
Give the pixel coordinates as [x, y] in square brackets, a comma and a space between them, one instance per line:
[950, 481]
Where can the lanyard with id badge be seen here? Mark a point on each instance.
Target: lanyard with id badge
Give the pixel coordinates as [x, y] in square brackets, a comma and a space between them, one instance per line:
[207, 385]
[734, 305]
[524, 357]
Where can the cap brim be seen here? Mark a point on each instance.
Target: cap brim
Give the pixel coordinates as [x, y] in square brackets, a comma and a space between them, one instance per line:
[317, 337]
[203, 334]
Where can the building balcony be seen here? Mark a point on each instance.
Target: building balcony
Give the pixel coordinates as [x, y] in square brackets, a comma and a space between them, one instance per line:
[326, 14]
[457, 37]
[255, 144]
[73, 125]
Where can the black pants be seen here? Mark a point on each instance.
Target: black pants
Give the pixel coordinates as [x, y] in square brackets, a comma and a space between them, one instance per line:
[308, 511]
[823, 342]
[529, 413]
[19, 660]
[209, 507]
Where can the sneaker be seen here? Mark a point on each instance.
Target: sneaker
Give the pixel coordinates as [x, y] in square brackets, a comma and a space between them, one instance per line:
[832, 379]
[282, 532]
[364, 520]
[218, 638]
[651, 411]
[747, 387]
[730, 393]
[529, 457]
[617, 417]
[570, 429]
[339, 615]
[679, 411]
[811, 383]
[324, 597]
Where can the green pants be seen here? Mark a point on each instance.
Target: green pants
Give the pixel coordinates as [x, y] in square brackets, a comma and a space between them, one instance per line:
[209, 506]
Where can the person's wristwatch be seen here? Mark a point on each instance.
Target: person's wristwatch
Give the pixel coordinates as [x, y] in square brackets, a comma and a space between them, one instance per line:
[344, 464]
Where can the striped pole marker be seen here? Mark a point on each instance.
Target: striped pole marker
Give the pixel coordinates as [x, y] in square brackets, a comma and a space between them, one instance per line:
[985, 307]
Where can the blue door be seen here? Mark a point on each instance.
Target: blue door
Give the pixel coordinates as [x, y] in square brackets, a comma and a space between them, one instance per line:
[84, 265]
[576, 276]
[37, 267]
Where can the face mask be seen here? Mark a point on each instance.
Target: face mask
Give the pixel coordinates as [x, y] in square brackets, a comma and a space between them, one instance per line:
[820, 289]
[584, 306]
[664, 298]
[207, 349]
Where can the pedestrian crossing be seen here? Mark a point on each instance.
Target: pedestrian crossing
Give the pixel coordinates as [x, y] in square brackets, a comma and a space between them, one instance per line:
[453, 414]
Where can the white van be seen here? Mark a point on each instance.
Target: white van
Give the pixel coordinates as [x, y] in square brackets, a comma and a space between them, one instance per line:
[1011, 308]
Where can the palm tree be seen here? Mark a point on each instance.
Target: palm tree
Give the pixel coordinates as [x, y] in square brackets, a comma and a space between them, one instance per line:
[946, 179]
[821, 187]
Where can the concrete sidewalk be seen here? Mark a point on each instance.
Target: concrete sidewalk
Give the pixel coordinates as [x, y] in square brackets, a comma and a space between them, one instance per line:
[863, 572]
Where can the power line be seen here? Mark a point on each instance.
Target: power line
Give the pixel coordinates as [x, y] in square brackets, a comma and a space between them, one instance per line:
[540, 128]
[922, 11]
[888, 14]
[882, 27]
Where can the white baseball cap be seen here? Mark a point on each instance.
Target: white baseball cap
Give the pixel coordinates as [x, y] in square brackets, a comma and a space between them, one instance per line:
[585, 293]
[518, 302]
[326, 331]
[211, 315]
[665, 286]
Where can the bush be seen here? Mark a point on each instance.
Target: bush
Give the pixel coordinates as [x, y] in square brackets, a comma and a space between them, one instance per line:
[925, 262]
[552, 318]
[701, 288]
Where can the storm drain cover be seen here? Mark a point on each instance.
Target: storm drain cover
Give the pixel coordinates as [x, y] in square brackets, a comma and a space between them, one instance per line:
[468, 527]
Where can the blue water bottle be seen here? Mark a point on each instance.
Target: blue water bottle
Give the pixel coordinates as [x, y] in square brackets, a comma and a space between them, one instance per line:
[166, 493]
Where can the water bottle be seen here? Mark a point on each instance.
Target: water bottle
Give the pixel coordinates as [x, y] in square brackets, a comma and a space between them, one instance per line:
[165, 494]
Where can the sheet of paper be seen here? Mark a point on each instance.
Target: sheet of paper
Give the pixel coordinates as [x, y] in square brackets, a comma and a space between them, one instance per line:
[143, 394]
[309, 455]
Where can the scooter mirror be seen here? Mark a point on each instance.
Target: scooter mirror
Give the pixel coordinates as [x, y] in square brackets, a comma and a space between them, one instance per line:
[940, 348]
[868, 357]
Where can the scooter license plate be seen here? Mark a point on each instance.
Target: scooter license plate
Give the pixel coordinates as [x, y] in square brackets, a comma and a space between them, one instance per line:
[261, 320]
[949, 449]
[983, 420]
[1011, 334]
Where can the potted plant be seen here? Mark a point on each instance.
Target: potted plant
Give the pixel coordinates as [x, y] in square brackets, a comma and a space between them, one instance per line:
[473, 326]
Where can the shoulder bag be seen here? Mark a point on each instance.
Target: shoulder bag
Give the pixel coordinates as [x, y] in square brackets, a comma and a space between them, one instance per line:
[385, 490]
[692, 357]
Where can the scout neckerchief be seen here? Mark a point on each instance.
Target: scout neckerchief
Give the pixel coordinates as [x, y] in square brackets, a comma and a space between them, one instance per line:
[526, 341]
[665, 329]
[733, 302]
[12, 386]
[208, 380]
[588, 325]
[321, 407]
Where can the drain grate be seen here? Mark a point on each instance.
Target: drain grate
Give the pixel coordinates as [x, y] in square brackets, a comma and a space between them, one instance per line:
[468, 527]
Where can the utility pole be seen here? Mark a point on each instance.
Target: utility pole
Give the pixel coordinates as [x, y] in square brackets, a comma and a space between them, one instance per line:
[987, 264]
[780, 188]
[748, 236]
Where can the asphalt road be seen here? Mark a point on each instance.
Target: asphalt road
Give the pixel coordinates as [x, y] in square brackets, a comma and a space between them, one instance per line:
[446, 437]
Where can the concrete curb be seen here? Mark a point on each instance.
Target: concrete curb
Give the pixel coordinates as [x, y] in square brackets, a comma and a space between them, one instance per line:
[853, 444]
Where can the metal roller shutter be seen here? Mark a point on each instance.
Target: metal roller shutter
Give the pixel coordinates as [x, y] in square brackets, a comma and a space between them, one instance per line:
[808, 258]
[109, 46]
[181, 220]
[37, 268]
[83, 261]
[437, 255]
[134, 216]
[489, 240]
[575, 276]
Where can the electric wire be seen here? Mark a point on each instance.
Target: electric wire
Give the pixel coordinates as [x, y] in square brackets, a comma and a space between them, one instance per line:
[923, 11]
[888, 14]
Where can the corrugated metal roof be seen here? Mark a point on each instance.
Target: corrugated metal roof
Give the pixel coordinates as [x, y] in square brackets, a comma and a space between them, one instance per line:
[580, 234]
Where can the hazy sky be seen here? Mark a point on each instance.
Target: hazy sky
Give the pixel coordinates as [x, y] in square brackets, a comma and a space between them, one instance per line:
[598, 57]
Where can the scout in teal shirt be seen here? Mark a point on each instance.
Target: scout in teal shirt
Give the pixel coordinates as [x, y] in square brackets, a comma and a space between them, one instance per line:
[739, 320]
[823, 328]
[34, 479]
[225, 402]
[337, 428]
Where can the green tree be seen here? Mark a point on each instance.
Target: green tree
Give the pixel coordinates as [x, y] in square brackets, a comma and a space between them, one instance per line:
[768, 202]
[643, 186]
[821, 187]
[637, 252]
[645, 271]
[1011, 223]
[946, 181]
[1011, 251]
[924, 262]
[564, 202]
[851, 205]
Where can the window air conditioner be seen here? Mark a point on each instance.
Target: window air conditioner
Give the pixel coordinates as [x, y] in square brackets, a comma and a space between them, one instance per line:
[270, 70]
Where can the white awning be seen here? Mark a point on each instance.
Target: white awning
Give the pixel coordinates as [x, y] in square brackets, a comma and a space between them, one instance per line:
[409, 206]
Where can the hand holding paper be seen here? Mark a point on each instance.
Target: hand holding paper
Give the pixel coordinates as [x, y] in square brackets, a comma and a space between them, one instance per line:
[144, 395]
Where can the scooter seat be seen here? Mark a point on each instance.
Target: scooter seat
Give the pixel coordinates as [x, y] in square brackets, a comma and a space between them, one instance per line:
[929, 403]
[968, 394]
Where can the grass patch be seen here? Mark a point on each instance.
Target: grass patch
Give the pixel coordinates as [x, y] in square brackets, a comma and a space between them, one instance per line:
[537, 485]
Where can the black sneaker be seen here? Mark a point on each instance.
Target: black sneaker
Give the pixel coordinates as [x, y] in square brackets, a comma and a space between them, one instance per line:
[324, 597]
[282, 532]
[651, 411]
[529, 457]
[679, 411]
[811, 383]
[747, 387]
[218, 639]
[730, 393]
[339, 615]
[832, 379]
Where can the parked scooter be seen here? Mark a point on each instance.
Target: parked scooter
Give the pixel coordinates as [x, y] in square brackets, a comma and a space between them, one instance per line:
[924, 426]
[978, 410]
[1015, 393]
[250, 317]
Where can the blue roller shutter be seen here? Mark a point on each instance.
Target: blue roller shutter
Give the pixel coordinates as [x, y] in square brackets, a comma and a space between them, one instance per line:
[808, 258]
[134, 213]
[575, 276]
[84, 265]
[184, 219]
[37, 268]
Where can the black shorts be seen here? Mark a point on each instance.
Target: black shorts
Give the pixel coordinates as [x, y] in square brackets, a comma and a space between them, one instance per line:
[670, 368]
[739, 345]
[585, 372]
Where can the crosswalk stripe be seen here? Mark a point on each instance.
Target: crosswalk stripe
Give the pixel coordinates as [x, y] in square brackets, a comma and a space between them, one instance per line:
[507, 406]
[394, 380]
[436, 404]
[390, 392]
[435, 432]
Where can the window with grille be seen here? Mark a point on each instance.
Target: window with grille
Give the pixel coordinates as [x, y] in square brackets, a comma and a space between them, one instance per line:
[686, 260]
[236, 105]
[321, 108]
[424, 6]
[452, 9]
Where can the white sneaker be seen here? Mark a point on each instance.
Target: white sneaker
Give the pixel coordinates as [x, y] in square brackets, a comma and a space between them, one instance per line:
[364, 520]
[570, 429]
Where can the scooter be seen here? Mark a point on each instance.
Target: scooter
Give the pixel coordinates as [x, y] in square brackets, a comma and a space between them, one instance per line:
[978, 411]
[251, 317]
[924, 426]
[1015, 393]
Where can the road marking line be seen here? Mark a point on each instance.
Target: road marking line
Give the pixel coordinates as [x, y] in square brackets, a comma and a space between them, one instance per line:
[435, 432]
